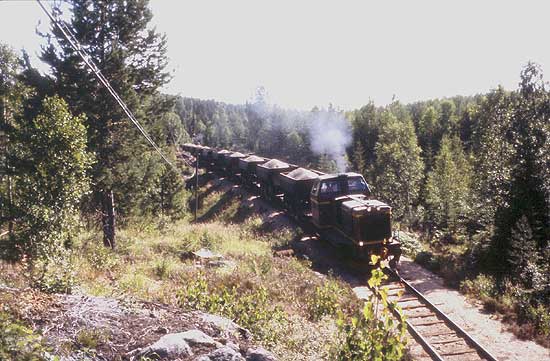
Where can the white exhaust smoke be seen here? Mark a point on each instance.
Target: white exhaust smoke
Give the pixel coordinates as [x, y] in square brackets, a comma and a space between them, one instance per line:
[330, 134]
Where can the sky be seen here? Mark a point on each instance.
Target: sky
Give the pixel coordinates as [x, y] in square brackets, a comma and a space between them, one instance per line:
[307, 53]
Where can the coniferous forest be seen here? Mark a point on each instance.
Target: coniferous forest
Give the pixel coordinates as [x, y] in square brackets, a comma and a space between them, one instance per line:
[468, 177]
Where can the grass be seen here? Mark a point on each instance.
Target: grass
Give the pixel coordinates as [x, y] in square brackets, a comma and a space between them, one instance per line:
[287, 306]
[290, 309]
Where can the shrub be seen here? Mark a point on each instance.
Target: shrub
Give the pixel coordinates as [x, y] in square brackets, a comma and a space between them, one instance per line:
[165, 268]
[324, 301]
[17, 342]
[53, 272]
[249, 307]
[482, 287]
[372, 334]
[427, 260]
[410, 245]
[101, 258]
[91, 338]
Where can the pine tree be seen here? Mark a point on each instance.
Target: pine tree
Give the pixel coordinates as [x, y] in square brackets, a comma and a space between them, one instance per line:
[132, 57]
[398, 166]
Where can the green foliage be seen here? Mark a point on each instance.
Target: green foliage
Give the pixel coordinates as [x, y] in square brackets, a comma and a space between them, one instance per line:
[410, 244]
[54, 271]
[250, 308]
[448, 187]
[538, 315]
[398, 165]
[525, 219]
[165, 268]
[359, 160]
[324, 300]
[482, 287]
[18, 342]
[372, 333]
[90, 339]
[493, 150]
[51, 161]
[100, 258]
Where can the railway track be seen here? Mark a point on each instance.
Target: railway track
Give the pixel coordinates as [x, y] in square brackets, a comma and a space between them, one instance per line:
[440, 336]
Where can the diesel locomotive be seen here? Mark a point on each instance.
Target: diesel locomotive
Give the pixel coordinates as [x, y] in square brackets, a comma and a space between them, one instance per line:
[339, 206]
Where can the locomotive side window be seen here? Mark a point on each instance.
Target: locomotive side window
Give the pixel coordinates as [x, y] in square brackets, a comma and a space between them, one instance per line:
[330, 187]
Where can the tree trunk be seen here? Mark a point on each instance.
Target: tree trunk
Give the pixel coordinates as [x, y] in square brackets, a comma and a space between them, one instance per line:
[9, 205]
[108, 219]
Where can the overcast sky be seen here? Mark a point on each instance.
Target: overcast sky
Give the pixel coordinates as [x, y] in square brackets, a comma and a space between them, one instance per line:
[308, 53]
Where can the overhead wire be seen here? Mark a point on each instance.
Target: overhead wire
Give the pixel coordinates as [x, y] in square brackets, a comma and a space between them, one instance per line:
[75, 44]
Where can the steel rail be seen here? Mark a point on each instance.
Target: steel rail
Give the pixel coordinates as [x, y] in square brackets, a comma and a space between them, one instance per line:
[453, 325]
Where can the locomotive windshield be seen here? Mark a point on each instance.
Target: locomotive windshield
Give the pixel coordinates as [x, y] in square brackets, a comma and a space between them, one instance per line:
[341, 185]
[358, 184]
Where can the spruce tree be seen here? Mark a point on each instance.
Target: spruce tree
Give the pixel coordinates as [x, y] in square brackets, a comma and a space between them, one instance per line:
[529, 196]
[132, 56]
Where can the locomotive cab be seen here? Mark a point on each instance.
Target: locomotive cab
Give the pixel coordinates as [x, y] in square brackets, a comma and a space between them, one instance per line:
[326, 195]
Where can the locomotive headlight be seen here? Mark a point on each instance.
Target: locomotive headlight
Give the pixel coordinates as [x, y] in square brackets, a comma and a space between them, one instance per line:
[361, 244]
[369, 209]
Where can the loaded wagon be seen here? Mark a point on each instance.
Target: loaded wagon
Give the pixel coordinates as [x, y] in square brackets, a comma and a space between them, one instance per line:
[219, 158]
[232, 163]
[247, 167]
[267, 175]
[206, 158]
[296, 186]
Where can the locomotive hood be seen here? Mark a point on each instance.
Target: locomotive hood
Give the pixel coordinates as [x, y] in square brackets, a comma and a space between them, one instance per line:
[363, 205]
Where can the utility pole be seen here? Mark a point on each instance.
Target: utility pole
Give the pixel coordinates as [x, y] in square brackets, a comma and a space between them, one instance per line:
[196, 184]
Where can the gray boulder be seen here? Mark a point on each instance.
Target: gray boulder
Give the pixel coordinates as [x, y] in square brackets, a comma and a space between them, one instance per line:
[179, 344]
[197, 337]
[225, 326]
[171, 345]
[223, 354]
[259, 354]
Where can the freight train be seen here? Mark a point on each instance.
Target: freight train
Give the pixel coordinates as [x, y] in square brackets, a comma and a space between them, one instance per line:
[339, 206]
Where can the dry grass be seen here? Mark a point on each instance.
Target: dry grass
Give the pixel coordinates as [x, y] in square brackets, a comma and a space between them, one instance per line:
[150, 263]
